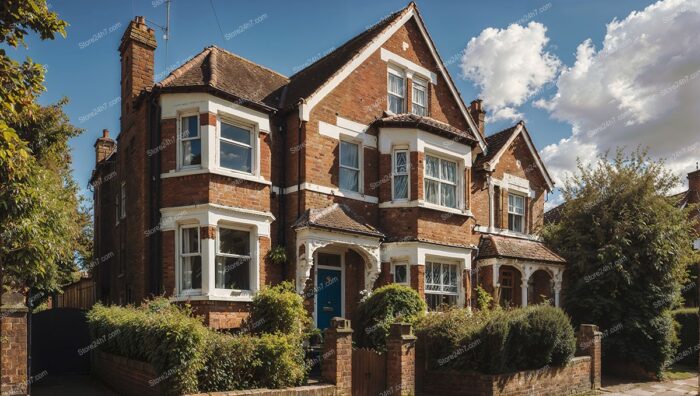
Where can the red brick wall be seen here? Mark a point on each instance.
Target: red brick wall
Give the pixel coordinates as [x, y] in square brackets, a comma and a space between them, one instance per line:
[13, 344]
[128, 377]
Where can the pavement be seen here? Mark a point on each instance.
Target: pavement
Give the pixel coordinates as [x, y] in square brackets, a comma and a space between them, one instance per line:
[70, 385]
[687, 386]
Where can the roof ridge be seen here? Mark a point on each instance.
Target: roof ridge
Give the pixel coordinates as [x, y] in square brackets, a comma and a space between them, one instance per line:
[249, 61]
[509, 129]
[184, 67]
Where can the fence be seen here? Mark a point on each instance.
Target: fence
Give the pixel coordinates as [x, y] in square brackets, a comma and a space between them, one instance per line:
[80, 295]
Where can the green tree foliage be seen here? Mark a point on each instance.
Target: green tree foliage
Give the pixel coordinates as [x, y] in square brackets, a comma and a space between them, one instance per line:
[627, 247]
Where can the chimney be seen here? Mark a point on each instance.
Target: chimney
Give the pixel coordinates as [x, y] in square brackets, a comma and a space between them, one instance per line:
[478, 114]
[104, 146]
[694, 186]
[136, 51]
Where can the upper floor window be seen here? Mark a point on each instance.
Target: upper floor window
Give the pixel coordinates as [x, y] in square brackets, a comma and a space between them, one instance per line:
[349, 166]
[440, 181]
[440, 284]
[233, 259]
[236, 147]
[190, 258]
[397, 92]
[419, 98]
[400, 174]
[516, 212]
[122, 203]
[117, 213]
[190, 141]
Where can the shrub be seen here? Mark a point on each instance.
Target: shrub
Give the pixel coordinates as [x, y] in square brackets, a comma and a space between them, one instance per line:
[687, 319]
[279, 309]
[248, 362]
[386, 305]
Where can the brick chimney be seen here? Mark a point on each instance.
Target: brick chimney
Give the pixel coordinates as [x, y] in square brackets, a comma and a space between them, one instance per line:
[694, 186]
[136, 50]
[478, 114]
[103, 146]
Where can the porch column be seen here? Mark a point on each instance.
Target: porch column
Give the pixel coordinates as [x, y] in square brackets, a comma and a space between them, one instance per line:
[523, 292]
[558, 277]
[557, 290]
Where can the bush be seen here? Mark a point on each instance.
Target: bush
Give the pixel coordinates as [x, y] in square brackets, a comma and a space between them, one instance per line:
[386, 305]
[279, 309]
[496, 342]
[248, 362]
[687, 319]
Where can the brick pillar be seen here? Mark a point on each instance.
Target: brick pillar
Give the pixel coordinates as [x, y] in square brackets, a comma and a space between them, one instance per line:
[336, 363]
[13, 341]
[589, 343]
[401, 360]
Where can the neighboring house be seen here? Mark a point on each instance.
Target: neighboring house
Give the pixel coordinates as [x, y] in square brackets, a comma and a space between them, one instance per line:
[691, 196]
[365, 166]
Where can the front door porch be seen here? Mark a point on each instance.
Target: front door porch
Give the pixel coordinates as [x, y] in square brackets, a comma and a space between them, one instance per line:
[515, 282]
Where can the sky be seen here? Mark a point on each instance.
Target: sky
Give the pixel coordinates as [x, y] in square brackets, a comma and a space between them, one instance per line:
[586, 77]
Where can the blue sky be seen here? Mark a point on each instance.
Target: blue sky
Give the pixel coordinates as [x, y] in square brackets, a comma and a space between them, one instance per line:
[290, 34]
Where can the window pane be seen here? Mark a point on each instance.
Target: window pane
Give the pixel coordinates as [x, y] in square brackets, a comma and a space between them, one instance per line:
[432, 166]
[400, 165]
[449, 171]
[232, 273]
[328, 259]
[431, 191]
[428, 273]
[401, 187]
[449, 195]
[349, 179]
[418, 94]
[190, 240]
[516, 204]
[418, 110]
[189, 127]
[349, 154]
[400, 274]
[234, 241]
[396, 85]
[515, 222]
[191, 272]
[236, 157]
[191, 152]
[235, 133]
[395, 104]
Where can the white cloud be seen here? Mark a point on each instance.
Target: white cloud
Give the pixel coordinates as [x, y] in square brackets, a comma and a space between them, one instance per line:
[509, 66]
[641, 89]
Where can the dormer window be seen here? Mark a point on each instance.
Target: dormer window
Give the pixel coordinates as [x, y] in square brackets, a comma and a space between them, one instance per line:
[396, 91]
[190, 141]
[516, 212]
[419, 98]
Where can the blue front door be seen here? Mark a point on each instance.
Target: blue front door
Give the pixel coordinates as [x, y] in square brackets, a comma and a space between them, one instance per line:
[328, 297]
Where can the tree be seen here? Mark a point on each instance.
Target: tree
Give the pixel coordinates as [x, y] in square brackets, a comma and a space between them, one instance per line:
[627, 247]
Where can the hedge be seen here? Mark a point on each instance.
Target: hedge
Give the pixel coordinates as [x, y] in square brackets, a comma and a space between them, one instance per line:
[386, 305]
[687, 319]
[500, 341]
[278, 309]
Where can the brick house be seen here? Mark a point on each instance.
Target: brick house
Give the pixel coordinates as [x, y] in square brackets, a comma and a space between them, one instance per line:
[365, 167]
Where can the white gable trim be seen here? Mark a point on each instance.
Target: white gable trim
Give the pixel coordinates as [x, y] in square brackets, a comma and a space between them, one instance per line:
[391, 57]
[520, 129]
[316, 97]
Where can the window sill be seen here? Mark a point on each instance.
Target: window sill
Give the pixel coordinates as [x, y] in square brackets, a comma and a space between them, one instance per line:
[423, 204]
[505, 232]
[247, 297]
[221, 172]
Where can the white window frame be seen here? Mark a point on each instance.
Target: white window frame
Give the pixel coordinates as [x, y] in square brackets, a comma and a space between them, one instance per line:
[252, 257]
[122, 202]
[180, 255]
[360, 158]
[417, 82]
[400, 74]
[513, 213]
[395, 173]
[252, 129]
[458, 274]
[180, 140]
[457, 183]
[408, 272]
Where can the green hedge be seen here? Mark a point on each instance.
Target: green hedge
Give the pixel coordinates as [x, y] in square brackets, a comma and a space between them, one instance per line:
[499, 341]
[687, 319]
[386, 305]
[278, 309]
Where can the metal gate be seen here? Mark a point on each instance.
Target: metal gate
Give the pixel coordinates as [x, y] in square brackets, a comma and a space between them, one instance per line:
[60, 342]
[368, 372]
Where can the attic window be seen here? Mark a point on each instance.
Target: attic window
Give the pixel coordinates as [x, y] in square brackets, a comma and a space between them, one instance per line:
[396, 84]
[420, 98]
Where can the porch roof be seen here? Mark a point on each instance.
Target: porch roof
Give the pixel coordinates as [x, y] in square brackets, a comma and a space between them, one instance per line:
[510, 247]
[337, 217]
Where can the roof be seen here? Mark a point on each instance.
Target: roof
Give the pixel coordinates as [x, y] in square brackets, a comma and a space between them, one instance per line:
[395, 239]
[336, 217]
[219, 69]
[554, 215]
[517, 248]
[495, 143]
[426, 123]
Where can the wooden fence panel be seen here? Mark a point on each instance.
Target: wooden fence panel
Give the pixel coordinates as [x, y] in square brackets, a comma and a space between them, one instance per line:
[368, 372]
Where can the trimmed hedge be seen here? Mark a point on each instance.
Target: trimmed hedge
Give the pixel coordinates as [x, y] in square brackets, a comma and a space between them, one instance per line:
[279, 309]
[386, 305]
[687, 319]
[496, 342]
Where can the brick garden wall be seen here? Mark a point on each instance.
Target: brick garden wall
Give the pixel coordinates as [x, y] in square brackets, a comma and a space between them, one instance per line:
[13, 341]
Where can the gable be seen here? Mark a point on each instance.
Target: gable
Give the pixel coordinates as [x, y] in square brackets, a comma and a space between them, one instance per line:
[517, 158]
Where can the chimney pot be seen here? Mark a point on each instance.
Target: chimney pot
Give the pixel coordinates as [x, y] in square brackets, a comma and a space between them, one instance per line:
[105, 133]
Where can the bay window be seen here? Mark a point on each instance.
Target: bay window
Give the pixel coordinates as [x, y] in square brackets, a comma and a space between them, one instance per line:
[396, 92]
[236, 147]
[440, 181]
[400, 174]
[190, 258]
[190, 141]
[441, 284]
[232, 259]
[516, 212]
[420, 98]
[349, 171]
